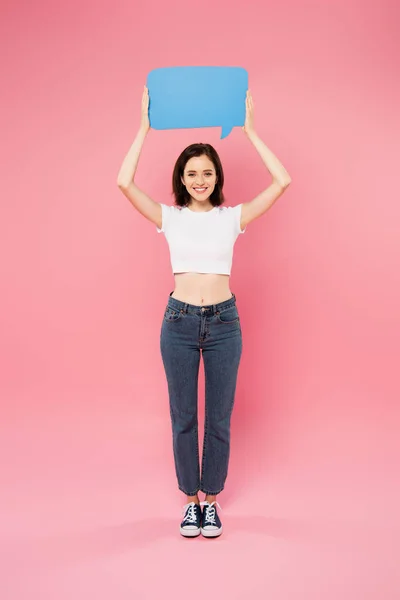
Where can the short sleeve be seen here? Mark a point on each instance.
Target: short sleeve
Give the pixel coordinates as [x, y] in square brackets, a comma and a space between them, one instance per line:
[165, 219]
[237, 215]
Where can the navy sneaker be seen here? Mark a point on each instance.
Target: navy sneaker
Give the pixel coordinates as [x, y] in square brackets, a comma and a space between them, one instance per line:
[190, 526]
[211, 525]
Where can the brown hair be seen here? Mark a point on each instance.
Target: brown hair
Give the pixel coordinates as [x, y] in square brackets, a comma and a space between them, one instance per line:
[179, 190]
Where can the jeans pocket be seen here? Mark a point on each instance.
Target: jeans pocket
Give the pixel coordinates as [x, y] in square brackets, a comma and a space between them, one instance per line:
[171, 315]
[229, 315]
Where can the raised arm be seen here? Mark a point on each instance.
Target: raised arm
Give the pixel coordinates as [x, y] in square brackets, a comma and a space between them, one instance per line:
[280, 177]
[126, 176]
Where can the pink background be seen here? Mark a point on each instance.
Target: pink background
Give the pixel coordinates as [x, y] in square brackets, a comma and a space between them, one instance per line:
[89, 501]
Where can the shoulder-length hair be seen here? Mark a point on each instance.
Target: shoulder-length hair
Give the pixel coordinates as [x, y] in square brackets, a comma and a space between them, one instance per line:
[179, 190]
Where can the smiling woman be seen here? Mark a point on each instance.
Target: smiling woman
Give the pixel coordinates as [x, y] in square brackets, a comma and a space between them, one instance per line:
[201, 317]
[197, 183]
[208, 174]
[198, 178]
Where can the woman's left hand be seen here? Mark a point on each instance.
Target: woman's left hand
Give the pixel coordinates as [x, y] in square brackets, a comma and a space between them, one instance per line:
[249, 122]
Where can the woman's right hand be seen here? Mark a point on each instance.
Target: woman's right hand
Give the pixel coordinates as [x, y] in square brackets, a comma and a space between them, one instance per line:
[145, 121]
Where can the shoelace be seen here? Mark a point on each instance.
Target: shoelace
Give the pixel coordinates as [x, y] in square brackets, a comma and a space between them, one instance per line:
[210, 510]
[191, 513]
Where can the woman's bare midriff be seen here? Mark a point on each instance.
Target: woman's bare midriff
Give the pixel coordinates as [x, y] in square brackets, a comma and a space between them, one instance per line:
[201, 289]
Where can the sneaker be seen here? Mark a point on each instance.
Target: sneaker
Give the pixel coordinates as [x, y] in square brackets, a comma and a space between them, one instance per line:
[211, 525]
[190, 526]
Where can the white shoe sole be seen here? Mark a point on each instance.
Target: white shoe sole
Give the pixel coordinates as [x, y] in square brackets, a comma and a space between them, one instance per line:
[211, 532]
[189, 532]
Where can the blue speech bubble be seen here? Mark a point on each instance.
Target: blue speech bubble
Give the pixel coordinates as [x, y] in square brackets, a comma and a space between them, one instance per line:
[189, 97]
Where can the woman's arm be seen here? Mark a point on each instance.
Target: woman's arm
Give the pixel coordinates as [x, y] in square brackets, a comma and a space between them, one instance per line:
[280, 177]
[125, 180]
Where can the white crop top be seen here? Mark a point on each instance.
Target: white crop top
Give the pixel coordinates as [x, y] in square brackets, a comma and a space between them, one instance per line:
[201, 242]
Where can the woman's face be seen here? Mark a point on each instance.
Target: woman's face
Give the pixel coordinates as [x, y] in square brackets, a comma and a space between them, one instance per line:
[199, 177]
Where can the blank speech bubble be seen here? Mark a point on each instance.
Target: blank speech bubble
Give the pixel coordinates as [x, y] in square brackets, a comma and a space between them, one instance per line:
[189, 97]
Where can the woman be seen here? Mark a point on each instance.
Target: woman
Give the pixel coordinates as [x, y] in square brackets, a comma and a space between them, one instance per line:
[201, 314]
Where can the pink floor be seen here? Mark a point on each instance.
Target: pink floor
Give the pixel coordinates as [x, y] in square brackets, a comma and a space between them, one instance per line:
[90, 509]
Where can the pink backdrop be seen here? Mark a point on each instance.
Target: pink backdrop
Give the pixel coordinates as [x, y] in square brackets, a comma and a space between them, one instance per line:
[89, 501]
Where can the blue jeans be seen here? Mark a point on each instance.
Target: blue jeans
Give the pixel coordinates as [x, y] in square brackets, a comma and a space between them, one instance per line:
[188, 330]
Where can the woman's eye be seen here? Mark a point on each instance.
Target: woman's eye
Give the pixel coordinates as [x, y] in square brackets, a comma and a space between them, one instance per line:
[206, 174]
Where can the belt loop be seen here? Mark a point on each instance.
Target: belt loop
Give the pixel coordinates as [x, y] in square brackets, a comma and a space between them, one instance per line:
[185, 307]
[214, 308]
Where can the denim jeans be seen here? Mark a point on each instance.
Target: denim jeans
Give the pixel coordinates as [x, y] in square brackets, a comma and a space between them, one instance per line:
[213, 331]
